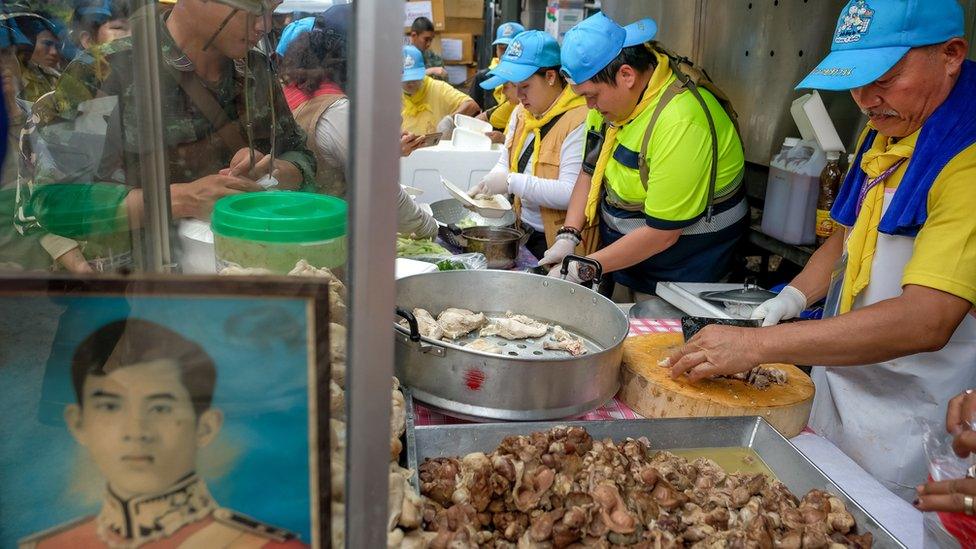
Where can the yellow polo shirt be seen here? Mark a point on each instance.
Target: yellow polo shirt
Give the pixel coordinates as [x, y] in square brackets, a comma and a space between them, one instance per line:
[944, 257]
[436, 99]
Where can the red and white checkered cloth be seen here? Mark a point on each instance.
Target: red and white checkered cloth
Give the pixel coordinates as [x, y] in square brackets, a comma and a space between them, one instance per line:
[615, 409]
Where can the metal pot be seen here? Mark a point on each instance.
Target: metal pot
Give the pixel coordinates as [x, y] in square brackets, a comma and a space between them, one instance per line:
[524, 382]
[499, 244]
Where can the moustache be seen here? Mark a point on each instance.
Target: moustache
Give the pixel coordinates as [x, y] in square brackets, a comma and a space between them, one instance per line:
[879, 112]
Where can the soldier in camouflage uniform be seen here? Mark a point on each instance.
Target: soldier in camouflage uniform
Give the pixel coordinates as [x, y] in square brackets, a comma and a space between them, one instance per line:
[17, 252]
[421, 37]
[222, 111]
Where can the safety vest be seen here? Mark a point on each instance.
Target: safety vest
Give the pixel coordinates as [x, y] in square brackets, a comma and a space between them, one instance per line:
[547, 167]
[624, 186]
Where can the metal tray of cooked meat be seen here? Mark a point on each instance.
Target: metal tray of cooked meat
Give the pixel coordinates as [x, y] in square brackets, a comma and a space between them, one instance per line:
[789, 465]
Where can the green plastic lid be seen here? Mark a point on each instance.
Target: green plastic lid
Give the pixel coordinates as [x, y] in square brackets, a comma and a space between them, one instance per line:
[280, 216]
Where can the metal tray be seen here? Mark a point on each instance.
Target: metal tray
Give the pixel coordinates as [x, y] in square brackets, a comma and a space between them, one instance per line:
[797, 472]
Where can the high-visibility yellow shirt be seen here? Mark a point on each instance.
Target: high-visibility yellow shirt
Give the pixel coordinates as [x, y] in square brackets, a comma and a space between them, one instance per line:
[679, 156]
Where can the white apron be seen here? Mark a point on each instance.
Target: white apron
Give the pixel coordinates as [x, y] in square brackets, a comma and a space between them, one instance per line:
[870, 412]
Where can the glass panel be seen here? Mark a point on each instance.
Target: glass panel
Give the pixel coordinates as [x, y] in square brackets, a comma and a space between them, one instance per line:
[192, 137]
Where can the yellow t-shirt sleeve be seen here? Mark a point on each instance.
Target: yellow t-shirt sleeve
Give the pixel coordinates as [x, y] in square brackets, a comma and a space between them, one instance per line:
[444, 98]
[944, 257]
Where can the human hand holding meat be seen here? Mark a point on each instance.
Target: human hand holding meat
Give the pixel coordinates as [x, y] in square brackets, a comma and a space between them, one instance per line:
[716, 351]
[951, 495]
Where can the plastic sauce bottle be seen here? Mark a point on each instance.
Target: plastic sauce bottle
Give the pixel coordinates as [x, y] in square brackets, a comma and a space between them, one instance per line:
[829, 184]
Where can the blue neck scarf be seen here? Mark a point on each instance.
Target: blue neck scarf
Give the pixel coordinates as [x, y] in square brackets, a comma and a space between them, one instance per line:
[947, 132]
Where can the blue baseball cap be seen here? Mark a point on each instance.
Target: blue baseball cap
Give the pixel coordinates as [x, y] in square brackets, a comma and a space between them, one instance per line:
[529, 51]
[413, 64]
[597, 40]
[873, 35]
[506, 32]
[292, 31]
[640, 31]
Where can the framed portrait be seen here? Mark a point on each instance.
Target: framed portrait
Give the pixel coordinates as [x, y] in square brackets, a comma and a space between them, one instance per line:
[164, 412]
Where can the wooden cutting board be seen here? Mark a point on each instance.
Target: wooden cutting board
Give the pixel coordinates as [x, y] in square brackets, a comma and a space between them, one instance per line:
[649, 390]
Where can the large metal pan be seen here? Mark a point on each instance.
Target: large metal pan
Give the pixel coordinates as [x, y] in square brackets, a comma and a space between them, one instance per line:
[526, 382]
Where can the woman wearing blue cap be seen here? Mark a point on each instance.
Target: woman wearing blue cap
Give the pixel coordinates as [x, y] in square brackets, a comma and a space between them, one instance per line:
[494, 102]
[544, 138]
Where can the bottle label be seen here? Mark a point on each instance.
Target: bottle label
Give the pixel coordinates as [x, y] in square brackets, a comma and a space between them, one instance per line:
[825, 225]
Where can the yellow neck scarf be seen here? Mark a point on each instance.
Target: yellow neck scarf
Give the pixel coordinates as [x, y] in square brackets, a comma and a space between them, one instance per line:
[499, 115]
[566, 101]
[660, 79]
[415, 104]
[863, 240]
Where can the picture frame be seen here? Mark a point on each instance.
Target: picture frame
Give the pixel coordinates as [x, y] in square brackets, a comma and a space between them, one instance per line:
[187, 410]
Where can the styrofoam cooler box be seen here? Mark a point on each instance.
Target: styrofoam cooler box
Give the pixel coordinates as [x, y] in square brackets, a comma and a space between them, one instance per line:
[424, 168]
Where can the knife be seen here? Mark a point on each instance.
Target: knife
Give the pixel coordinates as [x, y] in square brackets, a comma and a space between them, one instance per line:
[691, 325]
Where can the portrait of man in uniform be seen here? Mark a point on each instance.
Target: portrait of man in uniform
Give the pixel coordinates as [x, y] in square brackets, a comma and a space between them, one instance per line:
[143, 411]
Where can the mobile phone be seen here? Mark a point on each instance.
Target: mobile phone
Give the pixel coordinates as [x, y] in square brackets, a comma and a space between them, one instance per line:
[431, 139]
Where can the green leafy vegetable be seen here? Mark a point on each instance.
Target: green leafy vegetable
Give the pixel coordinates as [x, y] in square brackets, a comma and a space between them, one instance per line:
[450, 265]
[407, 247]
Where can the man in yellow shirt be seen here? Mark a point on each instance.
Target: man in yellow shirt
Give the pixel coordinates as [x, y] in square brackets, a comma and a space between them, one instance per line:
[663, 165]
[428, 104]
[900, 281]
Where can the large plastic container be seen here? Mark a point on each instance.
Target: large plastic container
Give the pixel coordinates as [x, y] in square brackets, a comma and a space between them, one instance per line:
[790, 210]
[424, 168]
[274, 229]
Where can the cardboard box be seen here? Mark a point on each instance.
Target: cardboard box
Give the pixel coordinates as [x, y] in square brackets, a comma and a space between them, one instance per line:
[471, 9]
[456, 47]
[464, 25]
[456, 74]
[431, 9]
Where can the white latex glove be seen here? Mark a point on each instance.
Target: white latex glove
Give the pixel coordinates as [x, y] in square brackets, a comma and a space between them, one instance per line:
[788, 304]
[562, 247]
[572, 273]
[496, 182]
[446, 126]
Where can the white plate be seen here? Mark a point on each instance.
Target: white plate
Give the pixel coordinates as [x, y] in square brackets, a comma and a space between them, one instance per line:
[503, 204]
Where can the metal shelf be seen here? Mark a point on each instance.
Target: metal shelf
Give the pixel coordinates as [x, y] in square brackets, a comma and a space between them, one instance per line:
[798, 255]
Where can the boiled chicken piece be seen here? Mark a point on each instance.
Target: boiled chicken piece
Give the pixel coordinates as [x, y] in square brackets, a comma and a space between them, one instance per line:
[561, 340]
[484, 345]
[426, 324]
[515, 327]
[459, 322]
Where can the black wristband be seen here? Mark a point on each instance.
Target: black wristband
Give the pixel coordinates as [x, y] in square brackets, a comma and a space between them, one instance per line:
[570, 230]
